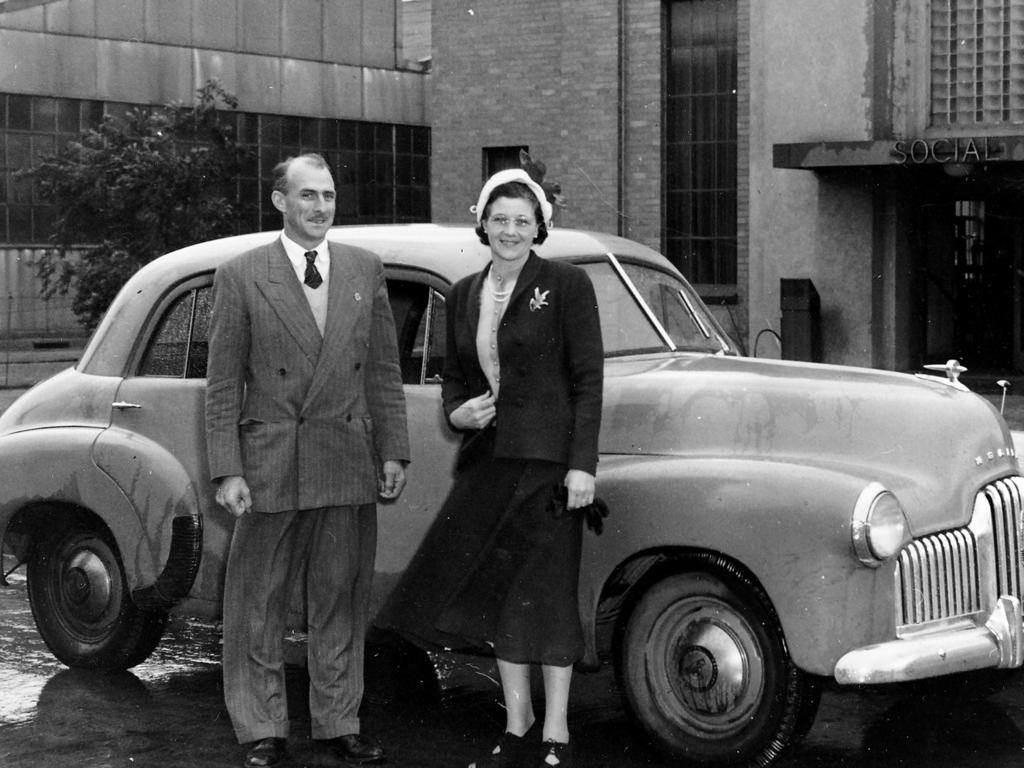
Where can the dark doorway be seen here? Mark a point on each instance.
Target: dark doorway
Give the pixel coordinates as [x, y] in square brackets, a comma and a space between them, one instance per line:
[972, 278]
[983, 265]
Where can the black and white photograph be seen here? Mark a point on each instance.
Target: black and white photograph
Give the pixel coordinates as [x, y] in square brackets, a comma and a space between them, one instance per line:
[511, 383]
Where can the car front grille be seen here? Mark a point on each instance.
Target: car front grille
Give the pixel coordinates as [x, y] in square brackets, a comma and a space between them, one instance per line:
[956, 574]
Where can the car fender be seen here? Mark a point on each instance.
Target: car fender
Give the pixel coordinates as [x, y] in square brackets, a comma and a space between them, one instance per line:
[48, 467]
[787, 524]
[160, 491]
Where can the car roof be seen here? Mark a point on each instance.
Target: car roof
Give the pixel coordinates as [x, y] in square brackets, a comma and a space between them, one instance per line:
[412, 245]
[450, 251]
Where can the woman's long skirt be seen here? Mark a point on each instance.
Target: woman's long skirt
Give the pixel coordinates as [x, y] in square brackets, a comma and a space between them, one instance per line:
[498, 569]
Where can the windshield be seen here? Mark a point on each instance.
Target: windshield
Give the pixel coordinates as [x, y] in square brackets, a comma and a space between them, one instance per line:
[681, 313]
[626, 328]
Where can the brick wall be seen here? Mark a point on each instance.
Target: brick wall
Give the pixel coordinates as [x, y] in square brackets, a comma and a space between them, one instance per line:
[559, 78]
[546, 75]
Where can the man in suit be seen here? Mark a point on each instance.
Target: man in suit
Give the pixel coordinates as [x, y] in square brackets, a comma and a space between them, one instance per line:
[306, 427]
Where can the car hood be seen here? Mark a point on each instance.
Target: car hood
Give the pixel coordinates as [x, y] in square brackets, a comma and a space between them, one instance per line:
[931, 443]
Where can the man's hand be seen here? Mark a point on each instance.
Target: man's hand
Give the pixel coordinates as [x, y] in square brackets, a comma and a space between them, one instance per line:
[233, 495]
[392, 480]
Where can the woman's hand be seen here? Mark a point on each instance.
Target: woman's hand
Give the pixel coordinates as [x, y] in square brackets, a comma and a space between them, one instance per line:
[580, 485]
[475, 413]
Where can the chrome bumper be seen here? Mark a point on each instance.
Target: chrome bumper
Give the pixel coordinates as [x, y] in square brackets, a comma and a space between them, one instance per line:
[997, 644]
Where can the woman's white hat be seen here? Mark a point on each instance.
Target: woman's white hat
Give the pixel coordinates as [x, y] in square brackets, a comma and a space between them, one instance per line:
[504, 177]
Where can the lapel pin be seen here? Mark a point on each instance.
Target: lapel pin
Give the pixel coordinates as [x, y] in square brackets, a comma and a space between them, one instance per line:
[358, 297]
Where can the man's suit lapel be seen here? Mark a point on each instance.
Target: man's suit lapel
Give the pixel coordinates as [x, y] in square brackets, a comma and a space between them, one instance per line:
[284, 293]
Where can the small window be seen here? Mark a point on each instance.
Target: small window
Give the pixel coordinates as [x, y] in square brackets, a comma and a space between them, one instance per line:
[180, 345]
[502, 158]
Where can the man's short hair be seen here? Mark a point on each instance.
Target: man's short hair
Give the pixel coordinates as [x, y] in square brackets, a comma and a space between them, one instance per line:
[281, 169]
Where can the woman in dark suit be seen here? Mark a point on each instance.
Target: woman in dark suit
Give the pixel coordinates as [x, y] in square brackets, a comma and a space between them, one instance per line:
[522, 381]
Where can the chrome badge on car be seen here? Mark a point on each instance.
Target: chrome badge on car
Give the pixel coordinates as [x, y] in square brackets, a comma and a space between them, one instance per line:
[999, 453]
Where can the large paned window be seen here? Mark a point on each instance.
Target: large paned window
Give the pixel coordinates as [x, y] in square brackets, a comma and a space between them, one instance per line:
[381, 170]
[977, 62]
[701, 140]
[31, 126]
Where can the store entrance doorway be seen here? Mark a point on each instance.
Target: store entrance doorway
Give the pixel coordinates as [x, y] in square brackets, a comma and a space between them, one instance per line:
[974, 282]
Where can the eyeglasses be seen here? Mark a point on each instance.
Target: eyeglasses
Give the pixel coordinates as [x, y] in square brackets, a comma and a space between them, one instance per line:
[521, 222]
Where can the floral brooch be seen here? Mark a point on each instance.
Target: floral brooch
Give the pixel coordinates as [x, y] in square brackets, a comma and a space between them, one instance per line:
[539, 299]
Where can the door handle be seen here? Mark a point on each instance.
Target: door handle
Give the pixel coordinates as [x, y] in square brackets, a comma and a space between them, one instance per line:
[121, 405]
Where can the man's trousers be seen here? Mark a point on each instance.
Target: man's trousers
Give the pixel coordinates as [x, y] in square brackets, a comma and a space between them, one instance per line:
[332, 551]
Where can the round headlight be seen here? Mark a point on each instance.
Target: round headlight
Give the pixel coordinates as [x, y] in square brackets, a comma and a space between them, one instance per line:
[879, 525]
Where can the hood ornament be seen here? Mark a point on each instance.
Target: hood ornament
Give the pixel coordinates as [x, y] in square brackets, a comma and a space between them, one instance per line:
[1005, 385]
[952, 369]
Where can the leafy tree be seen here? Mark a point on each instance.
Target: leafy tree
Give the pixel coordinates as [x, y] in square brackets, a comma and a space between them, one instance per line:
[133, 188]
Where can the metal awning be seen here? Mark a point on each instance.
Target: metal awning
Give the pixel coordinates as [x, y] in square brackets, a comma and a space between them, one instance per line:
[943, 150]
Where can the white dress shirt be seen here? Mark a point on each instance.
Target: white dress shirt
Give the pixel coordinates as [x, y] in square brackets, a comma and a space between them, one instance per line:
[317, 297]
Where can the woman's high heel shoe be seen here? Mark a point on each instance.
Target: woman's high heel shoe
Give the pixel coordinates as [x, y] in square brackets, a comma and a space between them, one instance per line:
[509, 752]
[556, 754]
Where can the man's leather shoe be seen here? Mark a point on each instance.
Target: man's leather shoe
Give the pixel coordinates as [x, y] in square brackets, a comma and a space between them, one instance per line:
[354, 748]
[265, 753]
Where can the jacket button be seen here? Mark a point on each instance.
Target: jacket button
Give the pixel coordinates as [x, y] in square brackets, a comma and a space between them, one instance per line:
[519, 403]
[358, 366]
[348, 417]
[281, 371]
[302, 419]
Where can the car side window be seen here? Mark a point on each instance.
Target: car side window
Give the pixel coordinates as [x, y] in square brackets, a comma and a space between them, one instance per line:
[179, 346]
[419, 312]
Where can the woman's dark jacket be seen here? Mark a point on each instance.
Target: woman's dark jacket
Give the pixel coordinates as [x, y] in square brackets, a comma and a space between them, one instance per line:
[552, 364]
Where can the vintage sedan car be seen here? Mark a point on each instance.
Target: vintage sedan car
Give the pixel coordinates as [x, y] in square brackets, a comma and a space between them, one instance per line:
[773, 524]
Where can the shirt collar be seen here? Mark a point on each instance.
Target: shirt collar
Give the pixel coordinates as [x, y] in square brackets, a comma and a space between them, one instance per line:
[297, 256]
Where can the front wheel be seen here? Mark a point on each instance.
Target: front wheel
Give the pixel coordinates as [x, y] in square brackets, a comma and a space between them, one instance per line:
[705, 671]
[81, 604]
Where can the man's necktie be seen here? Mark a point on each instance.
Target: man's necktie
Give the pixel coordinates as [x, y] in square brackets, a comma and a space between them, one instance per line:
[312, 278]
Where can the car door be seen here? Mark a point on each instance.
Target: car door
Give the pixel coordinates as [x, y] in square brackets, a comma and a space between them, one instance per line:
[419, 309]
[157, 435]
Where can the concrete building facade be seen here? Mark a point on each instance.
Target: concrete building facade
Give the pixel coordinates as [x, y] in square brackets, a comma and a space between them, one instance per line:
[877, 154]
[346, 78]
[847, 171]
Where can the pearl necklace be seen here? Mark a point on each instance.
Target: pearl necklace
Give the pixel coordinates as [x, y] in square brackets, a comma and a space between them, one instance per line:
[499, 296]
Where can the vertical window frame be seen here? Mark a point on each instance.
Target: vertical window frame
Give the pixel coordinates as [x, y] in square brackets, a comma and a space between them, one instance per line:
[701, 193]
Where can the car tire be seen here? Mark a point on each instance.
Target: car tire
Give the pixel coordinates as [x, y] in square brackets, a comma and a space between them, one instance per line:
[704, 670]
[81, 603]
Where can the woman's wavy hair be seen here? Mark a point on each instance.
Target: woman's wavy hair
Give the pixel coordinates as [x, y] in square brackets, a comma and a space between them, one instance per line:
[514, 190]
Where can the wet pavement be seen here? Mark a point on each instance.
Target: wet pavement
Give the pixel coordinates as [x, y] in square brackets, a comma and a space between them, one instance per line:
[169, 712]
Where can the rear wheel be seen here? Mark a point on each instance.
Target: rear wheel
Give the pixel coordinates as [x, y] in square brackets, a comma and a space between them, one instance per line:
[705, 671]
[81, 604]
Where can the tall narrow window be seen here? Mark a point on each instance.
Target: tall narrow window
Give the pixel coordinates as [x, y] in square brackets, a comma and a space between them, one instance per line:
[701, 140]
[977, 62]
